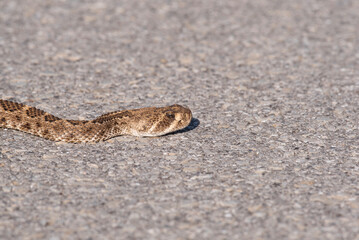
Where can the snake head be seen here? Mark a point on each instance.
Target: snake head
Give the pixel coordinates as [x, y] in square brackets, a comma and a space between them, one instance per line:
[179, 117]
[160, 121]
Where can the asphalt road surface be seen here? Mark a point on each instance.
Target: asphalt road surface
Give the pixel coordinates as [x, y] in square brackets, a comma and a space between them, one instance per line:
[272, 152]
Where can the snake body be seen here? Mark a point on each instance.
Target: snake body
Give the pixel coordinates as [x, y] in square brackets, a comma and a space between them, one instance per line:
[141, 122]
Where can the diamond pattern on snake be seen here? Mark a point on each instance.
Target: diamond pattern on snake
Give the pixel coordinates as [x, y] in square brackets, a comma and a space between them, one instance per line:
[142, 122]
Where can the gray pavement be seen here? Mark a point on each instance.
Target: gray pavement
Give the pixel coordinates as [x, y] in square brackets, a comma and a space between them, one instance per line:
[273, 152]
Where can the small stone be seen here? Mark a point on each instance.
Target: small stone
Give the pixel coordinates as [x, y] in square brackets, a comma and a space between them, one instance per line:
[91, 165]
[254, 208]
[186, 60]
[191, 169]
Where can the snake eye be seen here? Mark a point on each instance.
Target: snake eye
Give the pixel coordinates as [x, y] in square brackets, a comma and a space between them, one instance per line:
[170, 115]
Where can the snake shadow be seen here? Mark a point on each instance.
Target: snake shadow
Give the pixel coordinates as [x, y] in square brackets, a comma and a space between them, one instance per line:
[193, 124]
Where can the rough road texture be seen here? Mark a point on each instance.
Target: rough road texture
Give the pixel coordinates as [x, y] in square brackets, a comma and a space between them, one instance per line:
[273, 154]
